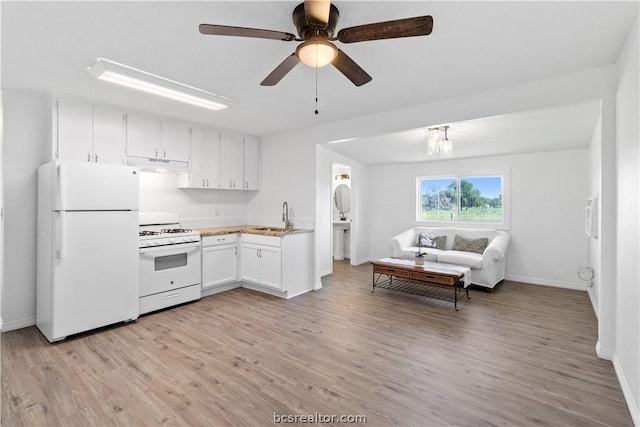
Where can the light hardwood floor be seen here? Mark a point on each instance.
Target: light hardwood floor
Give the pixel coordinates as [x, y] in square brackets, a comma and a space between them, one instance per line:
[523, 355]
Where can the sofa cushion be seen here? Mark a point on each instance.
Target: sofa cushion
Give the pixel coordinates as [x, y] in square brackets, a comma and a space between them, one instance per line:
[470, 245]
[468, 259]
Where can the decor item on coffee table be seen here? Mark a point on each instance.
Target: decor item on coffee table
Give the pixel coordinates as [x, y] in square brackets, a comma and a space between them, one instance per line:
[482, 250]
[428, 280]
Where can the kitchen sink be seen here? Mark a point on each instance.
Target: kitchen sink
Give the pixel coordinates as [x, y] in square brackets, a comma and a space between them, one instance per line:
[275, 229]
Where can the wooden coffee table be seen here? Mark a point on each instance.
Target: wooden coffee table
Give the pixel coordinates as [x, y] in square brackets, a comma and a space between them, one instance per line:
[405, 276]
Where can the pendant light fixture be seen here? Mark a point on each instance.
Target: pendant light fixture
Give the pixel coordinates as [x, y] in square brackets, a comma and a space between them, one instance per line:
[438, 142]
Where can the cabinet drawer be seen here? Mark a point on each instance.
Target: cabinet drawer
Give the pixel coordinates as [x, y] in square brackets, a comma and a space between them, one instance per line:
[392, 271]
[223, 239]
[258, 239]
[432, 278]
[169, 298]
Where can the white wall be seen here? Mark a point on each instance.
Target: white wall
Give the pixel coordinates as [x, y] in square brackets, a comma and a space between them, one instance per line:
[547, 210]
[195, 207]
[626, 356]
[27, 144]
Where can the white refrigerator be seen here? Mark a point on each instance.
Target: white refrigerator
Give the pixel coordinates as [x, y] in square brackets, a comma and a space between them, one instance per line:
[88, 247]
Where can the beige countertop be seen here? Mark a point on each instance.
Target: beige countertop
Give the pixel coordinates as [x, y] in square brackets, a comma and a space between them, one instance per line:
[263, 230]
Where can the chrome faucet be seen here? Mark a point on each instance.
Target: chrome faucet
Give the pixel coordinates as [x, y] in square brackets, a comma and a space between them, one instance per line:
[285, 216]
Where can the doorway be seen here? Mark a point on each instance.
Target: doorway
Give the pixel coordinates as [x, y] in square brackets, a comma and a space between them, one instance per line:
[342, 210]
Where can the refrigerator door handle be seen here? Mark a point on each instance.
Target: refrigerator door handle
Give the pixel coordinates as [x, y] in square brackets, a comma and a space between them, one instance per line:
[61, 236]
[61, 186]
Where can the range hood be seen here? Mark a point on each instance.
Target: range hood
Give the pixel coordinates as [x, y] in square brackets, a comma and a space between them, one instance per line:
[158, 165]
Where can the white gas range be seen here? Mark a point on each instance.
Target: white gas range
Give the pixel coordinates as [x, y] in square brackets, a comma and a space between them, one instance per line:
[170, 262]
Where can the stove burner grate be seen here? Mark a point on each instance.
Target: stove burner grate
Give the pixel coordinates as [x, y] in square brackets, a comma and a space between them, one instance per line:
[148, 233]
[175, 230]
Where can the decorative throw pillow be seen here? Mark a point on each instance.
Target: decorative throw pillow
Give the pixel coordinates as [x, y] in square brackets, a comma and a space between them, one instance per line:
[440, 242]
[425, 240]
[428, 240]
[470, 245]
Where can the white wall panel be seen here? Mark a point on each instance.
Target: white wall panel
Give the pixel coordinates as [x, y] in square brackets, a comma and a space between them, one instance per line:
[548, 191]
[626, 357]
[27, 145]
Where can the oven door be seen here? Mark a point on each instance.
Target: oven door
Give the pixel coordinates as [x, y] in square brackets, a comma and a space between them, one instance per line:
[163, 268]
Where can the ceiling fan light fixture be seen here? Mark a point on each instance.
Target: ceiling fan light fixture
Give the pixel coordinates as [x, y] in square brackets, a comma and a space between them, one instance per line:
[133, 78]
[316, 53]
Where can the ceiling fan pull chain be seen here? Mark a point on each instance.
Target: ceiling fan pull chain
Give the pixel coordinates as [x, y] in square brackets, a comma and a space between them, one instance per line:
[316, 81]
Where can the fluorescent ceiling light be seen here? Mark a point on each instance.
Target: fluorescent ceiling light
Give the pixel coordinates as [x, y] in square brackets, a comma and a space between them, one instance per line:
[113, 72]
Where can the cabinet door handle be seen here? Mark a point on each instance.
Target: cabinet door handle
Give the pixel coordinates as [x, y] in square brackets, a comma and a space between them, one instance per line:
[96, 157]
[235, 250]
[88, 157]
[156, 152]
[246, 185]
[207, 182]
[229, 183]
[164, 154]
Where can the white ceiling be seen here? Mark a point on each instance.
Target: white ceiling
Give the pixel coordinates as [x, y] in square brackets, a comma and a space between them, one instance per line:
[475, 46]
[561, 128]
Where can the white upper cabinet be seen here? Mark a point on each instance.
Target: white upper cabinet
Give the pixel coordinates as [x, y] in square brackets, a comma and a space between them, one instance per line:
[250, 164]
[154, 138]
[223, 160]
[197, 177]
[175, 140]
[231, 161]
[108, 135]
[89, 133]
[212, 155]
[204, 159]
[144, 135]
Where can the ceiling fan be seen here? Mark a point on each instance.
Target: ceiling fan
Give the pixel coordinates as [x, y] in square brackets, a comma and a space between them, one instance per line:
[316, 22]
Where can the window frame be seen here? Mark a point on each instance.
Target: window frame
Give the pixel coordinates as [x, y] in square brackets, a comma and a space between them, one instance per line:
[505, 224]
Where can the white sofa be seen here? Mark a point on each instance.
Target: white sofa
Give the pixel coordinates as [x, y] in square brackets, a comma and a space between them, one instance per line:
[487, 269]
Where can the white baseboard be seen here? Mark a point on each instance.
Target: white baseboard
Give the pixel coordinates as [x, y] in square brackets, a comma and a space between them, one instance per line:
[545, 282]
[360, 261]
[626, 391]
[602, 352]
[317, 286]
[326, 272]
[18, 324]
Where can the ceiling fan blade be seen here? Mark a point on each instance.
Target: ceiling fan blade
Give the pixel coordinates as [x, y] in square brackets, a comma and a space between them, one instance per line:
[224, 30]
[350, 69]
[409, 27]
[317, 12]
[281, 70]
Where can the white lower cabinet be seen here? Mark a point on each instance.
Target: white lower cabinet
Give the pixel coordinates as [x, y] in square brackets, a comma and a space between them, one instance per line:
[262, 263]
[281, 264]
[219, 260]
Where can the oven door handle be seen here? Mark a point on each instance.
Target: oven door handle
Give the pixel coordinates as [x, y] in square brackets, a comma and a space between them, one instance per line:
[172, 249]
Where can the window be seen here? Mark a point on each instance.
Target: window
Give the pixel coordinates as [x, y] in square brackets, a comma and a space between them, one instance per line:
[475, 199]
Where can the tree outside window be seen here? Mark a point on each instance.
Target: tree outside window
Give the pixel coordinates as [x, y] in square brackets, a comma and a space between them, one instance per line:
[461, 199]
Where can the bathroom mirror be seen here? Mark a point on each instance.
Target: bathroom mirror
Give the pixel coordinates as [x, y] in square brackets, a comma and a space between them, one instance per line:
[342, 197]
